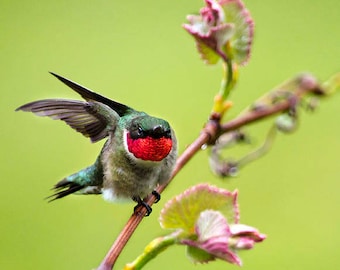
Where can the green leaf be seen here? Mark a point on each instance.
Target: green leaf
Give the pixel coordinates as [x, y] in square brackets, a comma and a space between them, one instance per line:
[207, 54]
[240, 43]
[183, 211]
[198, 255]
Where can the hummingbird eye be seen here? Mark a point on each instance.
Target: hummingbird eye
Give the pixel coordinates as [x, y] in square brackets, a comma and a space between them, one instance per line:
[140, 131]
[137, 132]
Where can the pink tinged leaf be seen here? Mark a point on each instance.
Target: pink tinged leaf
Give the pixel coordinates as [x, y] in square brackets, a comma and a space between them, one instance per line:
[211, 45]
[245, 230]
[241, 42]
[243, 243]
[224, 29]
[213, 234]
[244, 236]
[210, 32]
[210, 41]
[183, 211]
[213, 12]
[205, 42]
[196, 26]
[198, 255]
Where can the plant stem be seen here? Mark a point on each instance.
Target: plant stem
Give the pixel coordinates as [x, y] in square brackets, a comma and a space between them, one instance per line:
[227, 81]
[155, 247]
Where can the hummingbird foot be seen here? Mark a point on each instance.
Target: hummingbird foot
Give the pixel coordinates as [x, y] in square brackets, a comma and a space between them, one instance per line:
[157, 196]
[140, 202]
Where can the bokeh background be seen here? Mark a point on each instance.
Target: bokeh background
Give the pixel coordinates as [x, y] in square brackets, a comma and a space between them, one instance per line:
[137, 53]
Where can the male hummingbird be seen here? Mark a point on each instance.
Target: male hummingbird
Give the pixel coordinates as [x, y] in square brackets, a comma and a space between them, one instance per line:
[139, 154]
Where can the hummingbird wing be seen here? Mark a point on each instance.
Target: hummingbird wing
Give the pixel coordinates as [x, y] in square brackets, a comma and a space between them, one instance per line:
[92, 119]
[89, 95]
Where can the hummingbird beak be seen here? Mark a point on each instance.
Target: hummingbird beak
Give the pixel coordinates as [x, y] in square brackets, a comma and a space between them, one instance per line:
[158, 129]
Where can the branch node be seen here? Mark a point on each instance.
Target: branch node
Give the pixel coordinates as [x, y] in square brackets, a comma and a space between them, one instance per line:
[212, 128]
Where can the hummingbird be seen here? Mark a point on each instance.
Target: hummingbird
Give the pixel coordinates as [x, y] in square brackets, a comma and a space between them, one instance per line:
[139, 154]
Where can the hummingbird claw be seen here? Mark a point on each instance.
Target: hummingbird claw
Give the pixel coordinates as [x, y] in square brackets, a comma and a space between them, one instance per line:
[157, 196]
[140, 202]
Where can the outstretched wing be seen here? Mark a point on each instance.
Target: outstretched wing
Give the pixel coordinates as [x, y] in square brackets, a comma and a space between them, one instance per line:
[92, 119]
[89, 95]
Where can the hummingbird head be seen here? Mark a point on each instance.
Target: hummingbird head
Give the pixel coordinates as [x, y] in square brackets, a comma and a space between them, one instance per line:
[148, 138]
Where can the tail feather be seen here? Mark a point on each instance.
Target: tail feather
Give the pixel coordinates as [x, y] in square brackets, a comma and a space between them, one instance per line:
[86, 181]
[64, 188]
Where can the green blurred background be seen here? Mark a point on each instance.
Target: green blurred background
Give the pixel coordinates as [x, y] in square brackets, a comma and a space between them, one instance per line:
[137, 53]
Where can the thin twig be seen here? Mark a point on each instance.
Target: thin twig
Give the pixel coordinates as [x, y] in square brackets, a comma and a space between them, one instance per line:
[209, 134]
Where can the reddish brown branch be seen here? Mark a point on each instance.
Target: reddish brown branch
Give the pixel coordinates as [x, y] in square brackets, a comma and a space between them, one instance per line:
[119, 244]
[209, 134]
[253, 116]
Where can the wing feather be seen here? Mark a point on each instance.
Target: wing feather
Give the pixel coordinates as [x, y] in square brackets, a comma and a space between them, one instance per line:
[84, 117]
[89, 95]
